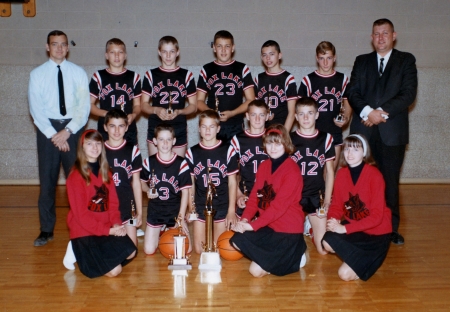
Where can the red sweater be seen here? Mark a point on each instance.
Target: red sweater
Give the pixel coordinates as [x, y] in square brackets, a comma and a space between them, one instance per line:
[368, 212]
[284, 213]
[94, 208]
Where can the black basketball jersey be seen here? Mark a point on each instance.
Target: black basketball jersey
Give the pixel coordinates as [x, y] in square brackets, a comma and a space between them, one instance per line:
[222, 160]
[115, 90]
[250, 152]
[163, 85]
[311, 153]
[124, 160]
[279, 88]
[171, 177]
[227, 82]
[328, 92]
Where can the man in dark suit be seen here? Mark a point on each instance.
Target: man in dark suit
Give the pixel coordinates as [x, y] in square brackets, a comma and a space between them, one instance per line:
[382, 86]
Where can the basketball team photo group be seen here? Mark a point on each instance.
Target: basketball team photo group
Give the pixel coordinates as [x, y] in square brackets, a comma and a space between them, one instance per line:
[281, 163]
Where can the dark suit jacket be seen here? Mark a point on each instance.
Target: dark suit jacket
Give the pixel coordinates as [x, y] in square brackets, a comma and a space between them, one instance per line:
[394, 92]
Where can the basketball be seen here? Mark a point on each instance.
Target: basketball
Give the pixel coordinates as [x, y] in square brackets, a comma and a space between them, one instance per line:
[226, 250]
[166, 243]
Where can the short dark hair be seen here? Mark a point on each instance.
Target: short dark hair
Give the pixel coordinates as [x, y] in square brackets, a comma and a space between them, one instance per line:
[167, 40]
[306, 101]
[116, 114]
[271, 43]
[355, 141]
[258, 103]
[56, 33]
[383, 21]
[115, 41]
[223, 34]
[164, 127]
[325, 46]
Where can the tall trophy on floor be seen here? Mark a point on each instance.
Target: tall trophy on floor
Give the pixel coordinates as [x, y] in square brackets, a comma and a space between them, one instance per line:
[179, 260]
[210, 259]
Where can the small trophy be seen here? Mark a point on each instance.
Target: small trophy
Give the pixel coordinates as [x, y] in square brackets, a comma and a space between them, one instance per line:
[169, 109]
[321, 210]
[152, 192]
[193, 215]
[245, 192]
[269, 104]
[217, 105]
[210, 259]
[179, 260]
[133, 221]
[340, 117]
[122, 107]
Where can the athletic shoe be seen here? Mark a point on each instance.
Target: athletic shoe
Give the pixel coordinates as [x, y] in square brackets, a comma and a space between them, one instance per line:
[43, 239]
[397, 238]
[307, 227]
[140, 233]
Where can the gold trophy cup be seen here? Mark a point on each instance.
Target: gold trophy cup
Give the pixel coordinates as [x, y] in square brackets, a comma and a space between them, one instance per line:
[133, 220]
[152, 192]
[193, 215]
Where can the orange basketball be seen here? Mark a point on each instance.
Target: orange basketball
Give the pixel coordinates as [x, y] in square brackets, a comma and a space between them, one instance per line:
[166, 243]
[226, 250]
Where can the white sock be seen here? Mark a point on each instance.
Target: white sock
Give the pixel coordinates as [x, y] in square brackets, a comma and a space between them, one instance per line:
[69, 258]
[303, 261]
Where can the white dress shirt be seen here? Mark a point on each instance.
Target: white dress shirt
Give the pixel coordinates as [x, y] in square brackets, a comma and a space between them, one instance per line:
[43, 96]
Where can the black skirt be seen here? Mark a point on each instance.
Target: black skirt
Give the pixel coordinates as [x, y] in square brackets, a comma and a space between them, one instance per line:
[364, 253]
[97, 255]
[277, 253]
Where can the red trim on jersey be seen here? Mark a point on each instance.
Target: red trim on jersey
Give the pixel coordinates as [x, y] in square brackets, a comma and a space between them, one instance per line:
[116, 74]
[224, 64]
[307, 135]
[275, 74]
[169, 70]
[201, 90]
[325, 76]
[117, 147]
[166, 162]
[247, 132]
[210, 147]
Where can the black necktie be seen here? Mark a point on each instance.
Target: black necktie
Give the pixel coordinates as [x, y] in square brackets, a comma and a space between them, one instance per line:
[381, 66]
[62, 102]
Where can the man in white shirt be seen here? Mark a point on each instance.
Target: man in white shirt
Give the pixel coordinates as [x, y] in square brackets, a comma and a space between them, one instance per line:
[58, 95]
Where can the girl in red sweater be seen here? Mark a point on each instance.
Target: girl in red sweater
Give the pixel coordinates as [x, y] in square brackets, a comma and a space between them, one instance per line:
[359, 222]
[98, 238]
[274, 241]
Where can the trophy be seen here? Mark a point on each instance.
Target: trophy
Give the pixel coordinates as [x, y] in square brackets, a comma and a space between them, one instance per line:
[210, 259]
[152, 192]
[217, 105]
[133, 220]
[169, 109]
[321, 211]
[340, 117]
[269, 103]
[193, 215]
[179, 260]
[245, 191]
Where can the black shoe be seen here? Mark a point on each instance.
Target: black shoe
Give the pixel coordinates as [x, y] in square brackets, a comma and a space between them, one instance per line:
[43, 238]
[397, 238]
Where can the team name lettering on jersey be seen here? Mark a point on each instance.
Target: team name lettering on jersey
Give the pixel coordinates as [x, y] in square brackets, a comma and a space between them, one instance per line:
[297, 156]
[200, 167]
[248, 155]
[180, 86]
[279, 92]
[123, 165]
[230, 76]
[317, 94]
[108, 89]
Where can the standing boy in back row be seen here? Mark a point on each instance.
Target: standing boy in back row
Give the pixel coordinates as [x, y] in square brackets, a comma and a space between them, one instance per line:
[276, 87]
[116, 87]
[223, 83]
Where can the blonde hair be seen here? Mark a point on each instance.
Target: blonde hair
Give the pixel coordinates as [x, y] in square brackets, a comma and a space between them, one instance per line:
[277, 133]
[81, 164]
[209, 113]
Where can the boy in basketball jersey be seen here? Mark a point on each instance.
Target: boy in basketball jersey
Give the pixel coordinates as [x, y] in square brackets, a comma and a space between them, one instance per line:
[276, 87]
[116, 87]
[250, 151]
[327, 86]
[166, 180]
[313, 153]
[222, 84]
[168, 87]
[125, 161]
[212, 160]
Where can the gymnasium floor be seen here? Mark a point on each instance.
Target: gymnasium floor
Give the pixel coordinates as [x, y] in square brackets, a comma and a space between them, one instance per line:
[414, 277]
